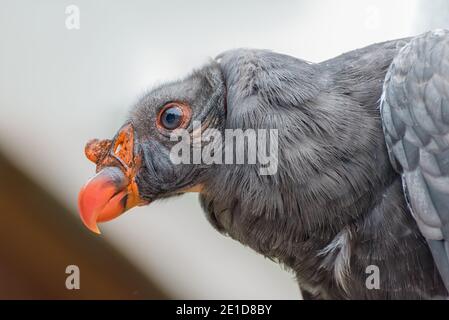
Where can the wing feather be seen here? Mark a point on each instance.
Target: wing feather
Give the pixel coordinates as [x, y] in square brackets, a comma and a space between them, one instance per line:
[415, 117]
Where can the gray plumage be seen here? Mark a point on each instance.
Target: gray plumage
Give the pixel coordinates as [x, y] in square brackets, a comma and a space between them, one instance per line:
[415, 112]
[336, 205]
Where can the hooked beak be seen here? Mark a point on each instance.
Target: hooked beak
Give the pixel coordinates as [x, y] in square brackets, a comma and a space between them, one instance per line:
[113, 190]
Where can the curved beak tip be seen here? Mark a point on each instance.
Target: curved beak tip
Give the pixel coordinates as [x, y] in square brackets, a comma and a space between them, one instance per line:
[102, 198]
[93, 228]
[88, 214]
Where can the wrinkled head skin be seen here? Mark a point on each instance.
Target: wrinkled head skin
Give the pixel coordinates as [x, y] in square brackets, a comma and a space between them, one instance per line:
[204, 92]
[324, 199]
[135, 167]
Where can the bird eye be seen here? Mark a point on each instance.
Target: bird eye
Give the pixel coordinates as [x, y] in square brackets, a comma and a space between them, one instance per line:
[173, 116]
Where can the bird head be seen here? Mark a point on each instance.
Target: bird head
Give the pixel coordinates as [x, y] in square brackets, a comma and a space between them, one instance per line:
[135, 168]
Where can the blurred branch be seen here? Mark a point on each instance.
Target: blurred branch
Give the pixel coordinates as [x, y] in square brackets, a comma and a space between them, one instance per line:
[39, 238]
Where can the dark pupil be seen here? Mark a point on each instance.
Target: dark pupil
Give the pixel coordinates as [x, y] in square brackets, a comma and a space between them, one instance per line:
[171, 118]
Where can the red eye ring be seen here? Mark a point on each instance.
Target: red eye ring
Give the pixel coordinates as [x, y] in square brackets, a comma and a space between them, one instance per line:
[178, 109]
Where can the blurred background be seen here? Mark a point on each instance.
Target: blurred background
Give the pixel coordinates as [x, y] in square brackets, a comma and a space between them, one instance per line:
[60, 87]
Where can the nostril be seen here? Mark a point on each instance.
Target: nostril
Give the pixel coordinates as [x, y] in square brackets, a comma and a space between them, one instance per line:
[116, 152]
[117, 149]
[123, 148]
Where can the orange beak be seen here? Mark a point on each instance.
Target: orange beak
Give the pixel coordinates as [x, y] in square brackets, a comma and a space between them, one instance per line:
[113, 190]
